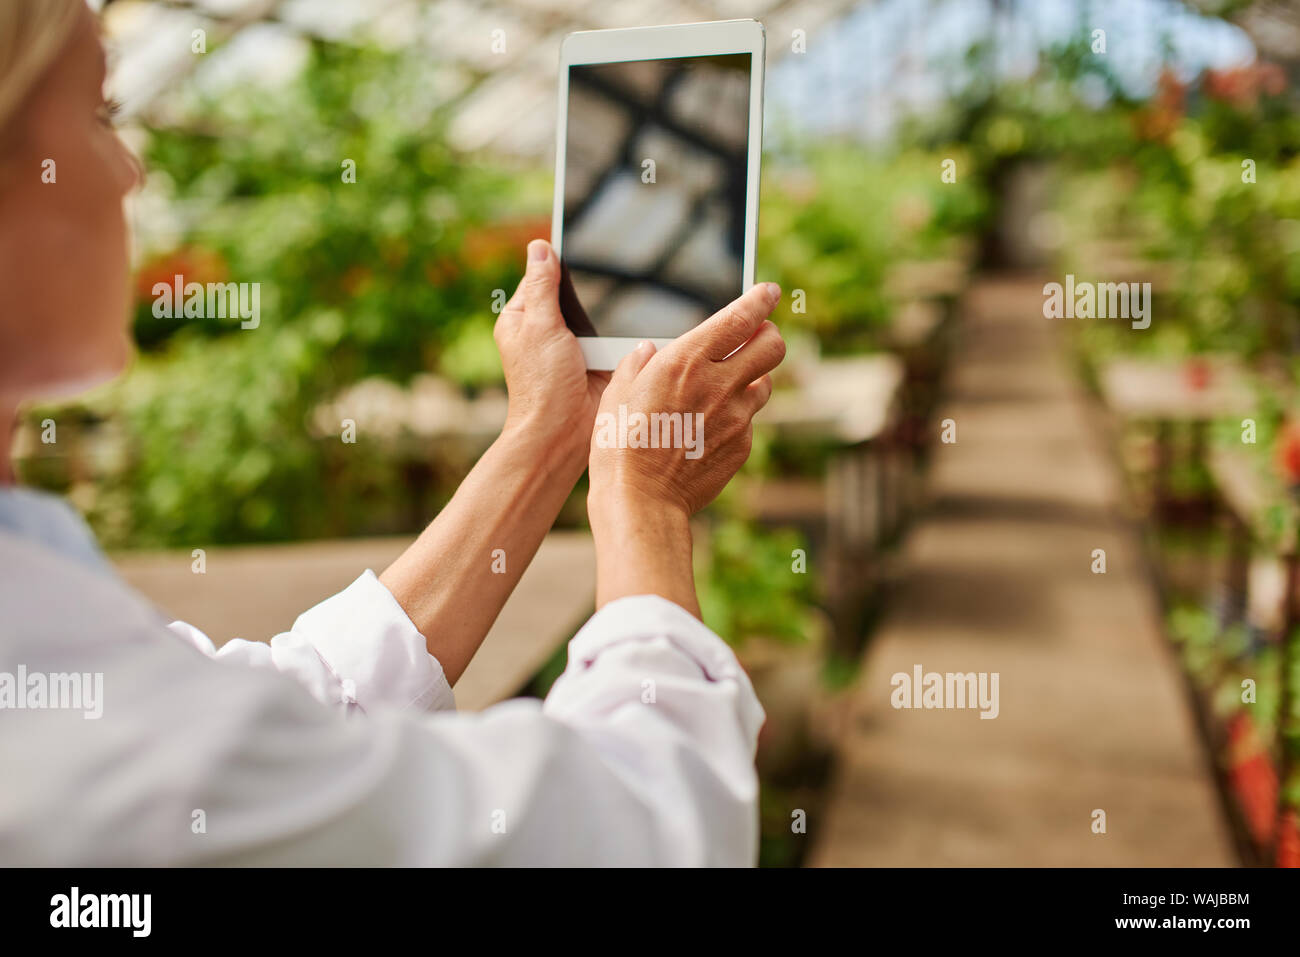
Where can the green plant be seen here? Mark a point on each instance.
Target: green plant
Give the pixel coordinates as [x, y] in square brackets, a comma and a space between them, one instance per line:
[749, 584]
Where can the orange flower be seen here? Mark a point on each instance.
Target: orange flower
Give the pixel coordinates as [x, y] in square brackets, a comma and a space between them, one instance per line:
[191, 263]
[487, 247]
[1158, 120]
[441, 272]
[501, 243]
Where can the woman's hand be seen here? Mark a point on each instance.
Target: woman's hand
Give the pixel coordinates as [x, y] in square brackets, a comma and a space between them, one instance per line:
[552, 395]
[715, 377]
[449, 581]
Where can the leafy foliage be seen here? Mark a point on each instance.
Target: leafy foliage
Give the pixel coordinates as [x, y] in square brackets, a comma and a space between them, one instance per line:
[748, 587]
[390, 275]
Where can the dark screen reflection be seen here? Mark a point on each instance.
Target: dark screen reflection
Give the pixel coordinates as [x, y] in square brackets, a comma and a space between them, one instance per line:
[656, 162]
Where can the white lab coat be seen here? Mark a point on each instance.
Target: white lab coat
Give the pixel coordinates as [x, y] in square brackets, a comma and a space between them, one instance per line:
[338, 742]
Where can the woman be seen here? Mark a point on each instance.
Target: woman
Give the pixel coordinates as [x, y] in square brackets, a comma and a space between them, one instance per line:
[338, 742]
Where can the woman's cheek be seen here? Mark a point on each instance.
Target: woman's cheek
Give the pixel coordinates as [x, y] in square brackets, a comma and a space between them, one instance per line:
[85, 233]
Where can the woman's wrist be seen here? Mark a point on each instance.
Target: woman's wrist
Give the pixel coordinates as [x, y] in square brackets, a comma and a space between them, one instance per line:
[643, 547]
[611, 505]
[560, 449]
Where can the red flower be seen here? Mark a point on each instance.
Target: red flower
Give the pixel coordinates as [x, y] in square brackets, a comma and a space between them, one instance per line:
[1288, 453]
[1272, 79]
[1252, 778]
[1241, 86]
[1254, 781]
[1288, 842]
[1198, 373]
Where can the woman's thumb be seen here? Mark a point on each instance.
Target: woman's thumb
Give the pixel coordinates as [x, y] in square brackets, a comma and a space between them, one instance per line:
[633, 362]
[542, 282]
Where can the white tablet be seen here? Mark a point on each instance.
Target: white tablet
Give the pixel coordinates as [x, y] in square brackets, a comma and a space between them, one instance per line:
[656, 179]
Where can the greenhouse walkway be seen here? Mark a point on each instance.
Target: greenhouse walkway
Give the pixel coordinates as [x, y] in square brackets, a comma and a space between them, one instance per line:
[997, 577]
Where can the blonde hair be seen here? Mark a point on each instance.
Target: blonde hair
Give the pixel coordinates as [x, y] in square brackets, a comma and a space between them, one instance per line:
[32, 33]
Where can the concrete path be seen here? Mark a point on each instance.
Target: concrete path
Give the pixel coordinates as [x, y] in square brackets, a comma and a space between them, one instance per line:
[997, 577]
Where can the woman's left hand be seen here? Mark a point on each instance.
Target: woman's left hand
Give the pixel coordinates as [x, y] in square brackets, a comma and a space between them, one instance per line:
[512, 495]
[552, 395]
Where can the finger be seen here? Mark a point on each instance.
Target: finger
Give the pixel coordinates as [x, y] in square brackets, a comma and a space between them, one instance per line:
[632, 363]
[542, 284]
[757, 357]
[758, 392]
[731, 327]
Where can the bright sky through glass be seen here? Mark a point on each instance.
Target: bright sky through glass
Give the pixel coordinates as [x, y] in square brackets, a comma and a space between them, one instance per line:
[883, 60]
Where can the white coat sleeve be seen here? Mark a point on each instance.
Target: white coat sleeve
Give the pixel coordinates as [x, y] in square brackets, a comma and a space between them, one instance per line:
[355, 649]
[642, 754]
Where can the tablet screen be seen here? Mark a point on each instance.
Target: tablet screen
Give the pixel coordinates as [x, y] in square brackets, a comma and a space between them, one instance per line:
[655, 173]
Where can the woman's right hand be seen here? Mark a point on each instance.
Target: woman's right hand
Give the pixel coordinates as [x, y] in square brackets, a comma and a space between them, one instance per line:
[717, 375]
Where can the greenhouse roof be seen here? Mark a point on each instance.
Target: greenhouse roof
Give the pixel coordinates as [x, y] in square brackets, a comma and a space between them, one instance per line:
[501, 58]
[880, 60]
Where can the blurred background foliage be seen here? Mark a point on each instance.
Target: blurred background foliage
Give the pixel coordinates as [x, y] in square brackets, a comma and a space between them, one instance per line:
[832, 224]
[390, 275]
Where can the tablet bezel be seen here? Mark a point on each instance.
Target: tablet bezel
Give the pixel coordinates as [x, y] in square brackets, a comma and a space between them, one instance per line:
[656, 43]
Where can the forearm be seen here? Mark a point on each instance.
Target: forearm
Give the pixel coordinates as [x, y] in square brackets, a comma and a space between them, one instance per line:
[455, 578]
[641, 549]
